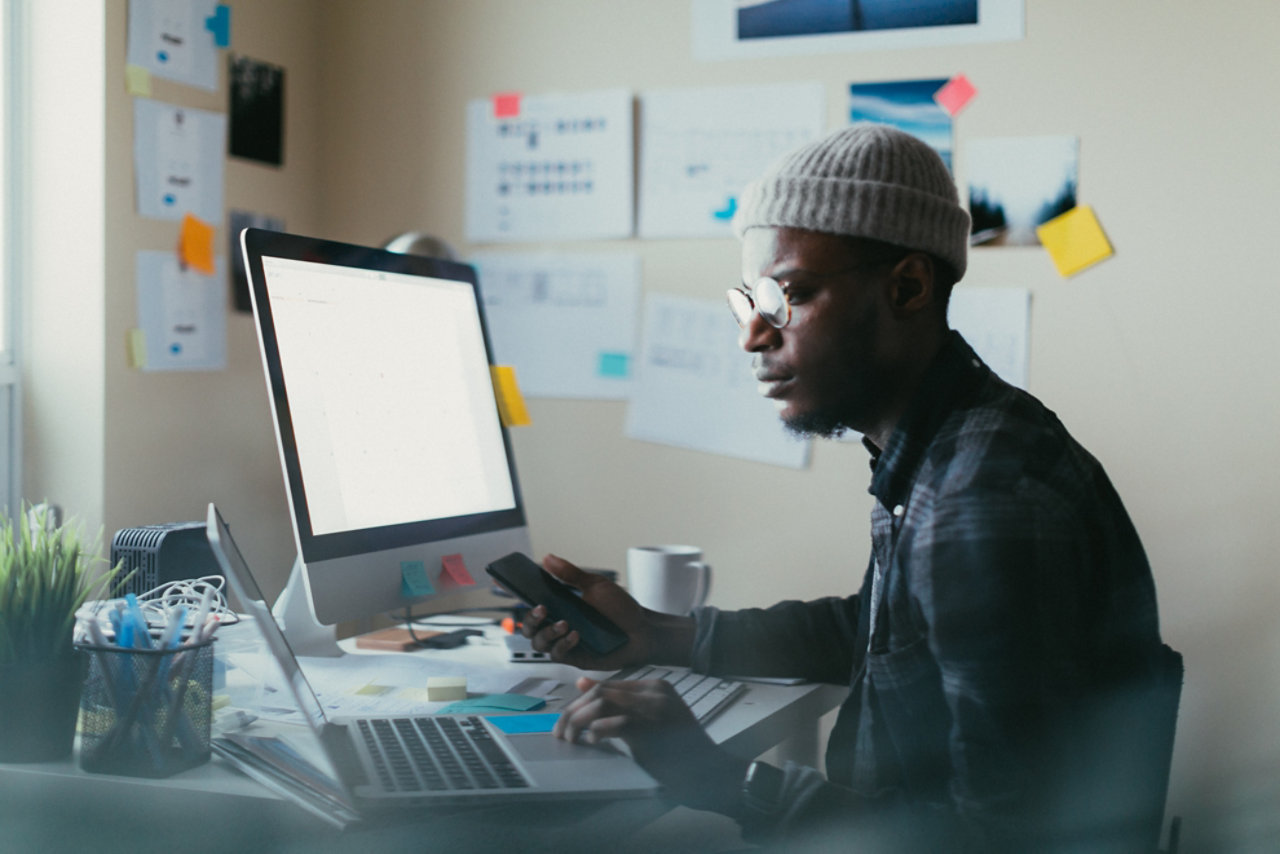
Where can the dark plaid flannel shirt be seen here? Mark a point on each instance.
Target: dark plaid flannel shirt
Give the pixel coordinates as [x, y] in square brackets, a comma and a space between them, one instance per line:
[1010, 576]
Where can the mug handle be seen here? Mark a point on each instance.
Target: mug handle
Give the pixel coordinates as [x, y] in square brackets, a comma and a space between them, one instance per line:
[704, 583]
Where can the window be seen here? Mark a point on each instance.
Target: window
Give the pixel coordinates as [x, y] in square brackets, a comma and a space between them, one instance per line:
[10, 254]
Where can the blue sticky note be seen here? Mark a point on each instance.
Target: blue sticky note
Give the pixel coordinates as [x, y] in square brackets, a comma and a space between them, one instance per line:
[220, 25]
[495, 703]
[521, 724]
[614, 364]
[726, 213]
[414, 580]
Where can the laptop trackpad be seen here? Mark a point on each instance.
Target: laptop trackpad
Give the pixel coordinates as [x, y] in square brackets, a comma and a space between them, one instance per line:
[542, 747]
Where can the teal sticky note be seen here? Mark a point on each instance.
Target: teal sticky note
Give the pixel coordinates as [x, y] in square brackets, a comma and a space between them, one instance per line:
[414, 580]
[220, 25]
[494, 703]
[614, 364]
[523, 724]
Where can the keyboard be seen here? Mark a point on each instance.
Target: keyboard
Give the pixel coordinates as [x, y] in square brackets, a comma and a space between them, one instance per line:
[438, 754]
[706, 695]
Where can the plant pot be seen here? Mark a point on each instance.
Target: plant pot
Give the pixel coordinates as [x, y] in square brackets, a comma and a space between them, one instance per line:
[38, 707]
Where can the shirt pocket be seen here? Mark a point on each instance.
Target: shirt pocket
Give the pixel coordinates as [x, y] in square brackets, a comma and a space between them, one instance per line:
[908, 690]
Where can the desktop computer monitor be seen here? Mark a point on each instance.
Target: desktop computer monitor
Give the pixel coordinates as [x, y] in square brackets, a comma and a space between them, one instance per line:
[395, 457]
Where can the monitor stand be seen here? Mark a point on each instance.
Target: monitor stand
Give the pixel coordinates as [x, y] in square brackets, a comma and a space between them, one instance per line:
[293, 612]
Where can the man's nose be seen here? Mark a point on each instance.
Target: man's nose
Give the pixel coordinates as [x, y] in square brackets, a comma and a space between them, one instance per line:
[758, 334]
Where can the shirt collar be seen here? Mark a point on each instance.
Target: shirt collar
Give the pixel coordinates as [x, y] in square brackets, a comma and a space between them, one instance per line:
[955, 372]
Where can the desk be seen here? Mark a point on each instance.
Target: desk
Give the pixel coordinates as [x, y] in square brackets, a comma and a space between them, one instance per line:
[56, 807]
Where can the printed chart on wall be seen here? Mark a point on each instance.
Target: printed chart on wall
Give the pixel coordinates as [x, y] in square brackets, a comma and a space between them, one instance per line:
[178, 160]
[182, 314]
[695, 388]
[175, 39]
[550, 167]
[701, 146]
[565, 321]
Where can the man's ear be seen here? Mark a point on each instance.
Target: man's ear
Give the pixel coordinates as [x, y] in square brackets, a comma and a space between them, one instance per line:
[911, 285]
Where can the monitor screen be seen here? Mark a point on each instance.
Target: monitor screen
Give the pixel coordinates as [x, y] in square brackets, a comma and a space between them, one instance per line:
[389, 432]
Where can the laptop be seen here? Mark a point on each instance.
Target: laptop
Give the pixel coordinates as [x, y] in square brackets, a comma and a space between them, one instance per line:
[401, 760]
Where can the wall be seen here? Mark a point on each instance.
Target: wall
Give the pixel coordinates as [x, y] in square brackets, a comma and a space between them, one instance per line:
[1158, 359]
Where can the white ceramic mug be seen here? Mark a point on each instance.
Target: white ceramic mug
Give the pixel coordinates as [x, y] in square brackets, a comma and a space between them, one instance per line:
[670, 579]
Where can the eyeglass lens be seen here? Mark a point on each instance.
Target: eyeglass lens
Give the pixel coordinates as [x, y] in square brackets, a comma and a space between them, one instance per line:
[766, 297]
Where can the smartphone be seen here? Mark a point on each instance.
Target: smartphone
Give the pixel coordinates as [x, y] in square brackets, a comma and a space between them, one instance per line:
[519, 574]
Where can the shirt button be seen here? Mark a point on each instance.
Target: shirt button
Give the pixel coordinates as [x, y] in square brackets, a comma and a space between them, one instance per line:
[977, 364]
[898, 511]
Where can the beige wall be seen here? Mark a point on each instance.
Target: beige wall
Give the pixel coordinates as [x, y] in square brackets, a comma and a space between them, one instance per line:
[1160, 360]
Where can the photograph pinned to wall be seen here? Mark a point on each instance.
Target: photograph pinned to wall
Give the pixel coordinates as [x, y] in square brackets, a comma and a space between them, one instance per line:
[257, 110]
[907, 105]
[741, 29]
[1018, 183]
[238, 221]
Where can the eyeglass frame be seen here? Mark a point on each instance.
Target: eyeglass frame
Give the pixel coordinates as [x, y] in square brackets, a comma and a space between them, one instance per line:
[742, 291]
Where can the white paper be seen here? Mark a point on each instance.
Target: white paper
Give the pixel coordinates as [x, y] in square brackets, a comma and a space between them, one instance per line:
[566, 322]
[559, 170]
[178, 156]
[700, 147]
[170, 40]
[182, 314]
[695, 387]
[715, 32]
[996, 323]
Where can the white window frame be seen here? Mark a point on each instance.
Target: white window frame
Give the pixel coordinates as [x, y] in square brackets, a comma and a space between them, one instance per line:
[13, 245]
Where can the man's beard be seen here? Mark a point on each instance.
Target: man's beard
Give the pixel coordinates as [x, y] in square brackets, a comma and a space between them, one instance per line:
[856, 395]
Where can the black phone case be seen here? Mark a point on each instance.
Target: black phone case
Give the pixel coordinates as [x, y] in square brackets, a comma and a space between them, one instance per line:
[519, 574]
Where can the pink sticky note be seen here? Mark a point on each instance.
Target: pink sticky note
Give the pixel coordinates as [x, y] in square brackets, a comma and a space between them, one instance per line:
[455, 572]
[506, 105]
[955, 94]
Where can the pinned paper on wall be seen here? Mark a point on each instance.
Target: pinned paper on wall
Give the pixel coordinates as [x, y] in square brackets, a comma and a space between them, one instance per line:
[955, 94]
[414, 580]
[567, 321]
[137, 80]
[1075, 240]
[996, 322]
[195, 245]
[557, 168]
[702, 146]
[178, 160]
[181, 314]
[454, 572]
[695, 388]
[172, 39]
[511, 406]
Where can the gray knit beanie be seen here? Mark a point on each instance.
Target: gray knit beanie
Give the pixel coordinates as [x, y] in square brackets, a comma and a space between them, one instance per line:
[865, 180]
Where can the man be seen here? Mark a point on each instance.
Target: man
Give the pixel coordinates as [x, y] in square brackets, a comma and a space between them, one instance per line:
[1007, 588]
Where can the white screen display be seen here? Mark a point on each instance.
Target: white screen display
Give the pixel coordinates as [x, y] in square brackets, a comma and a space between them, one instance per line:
[390, 396]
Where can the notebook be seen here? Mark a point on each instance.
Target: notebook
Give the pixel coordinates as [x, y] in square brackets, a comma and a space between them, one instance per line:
[401, 761]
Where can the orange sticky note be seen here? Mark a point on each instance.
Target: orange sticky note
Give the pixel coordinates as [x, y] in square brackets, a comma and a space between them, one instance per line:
[455, 572]
[955, 94]
[195, 246]
[510, 402]
[506, 105]
[1074, 240]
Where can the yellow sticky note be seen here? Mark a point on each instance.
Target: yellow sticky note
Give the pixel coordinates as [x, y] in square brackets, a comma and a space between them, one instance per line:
[195, 246]
[137, 80]
[373, 690]
[1074, 240]
[446, 688]
[135, 346]
[510, 402]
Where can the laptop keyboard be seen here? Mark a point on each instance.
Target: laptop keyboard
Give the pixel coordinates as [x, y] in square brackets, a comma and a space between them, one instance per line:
[706, 695]
[438, 754]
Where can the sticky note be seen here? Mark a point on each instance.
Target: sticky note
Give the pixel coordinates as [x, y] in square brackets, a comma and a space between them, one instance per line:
[136, 348]
[614, 365]
[446, 688]
[137, 80]
[495, 703]
[510, 402]
[374, 690]
[195, 245]
[506, 105]
[414, 580]
[220, 25]
[1074, 240]
[955, 94]
[524, 724]
[454, 572]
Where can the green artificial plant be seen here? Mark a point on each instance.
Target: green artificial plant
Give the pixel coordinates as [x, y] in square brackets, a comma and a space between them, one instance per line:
[46, 573]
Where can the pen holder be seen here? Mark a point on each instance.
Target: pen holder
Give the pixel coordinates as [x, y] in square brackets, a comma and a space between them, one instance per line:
[145, 712]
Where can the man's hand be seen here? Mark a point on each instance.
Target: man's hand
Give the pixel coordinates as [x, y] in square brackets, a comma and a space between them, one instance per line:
[652, 637]
[664, 737]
